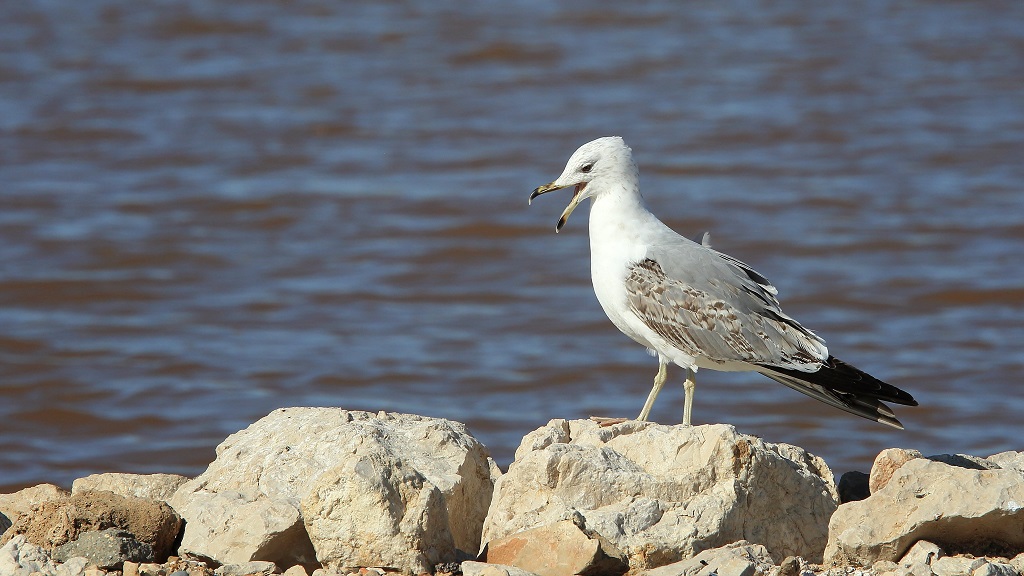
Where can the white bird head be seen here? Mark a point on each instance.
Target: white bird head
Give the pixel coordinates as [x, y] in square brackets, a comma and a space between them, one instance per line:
[595, 168]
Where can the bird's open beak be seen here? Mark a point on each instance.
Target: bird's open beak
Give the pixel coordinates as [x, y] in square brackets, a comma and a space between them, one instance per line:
[576, 198]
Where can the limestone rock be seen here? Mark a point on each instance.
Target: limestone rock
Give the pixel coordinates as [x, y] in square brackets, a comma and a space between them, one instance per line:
[257, 568]
[152, 486]
[17, 503]
[229, 527]
[664, 493]
[76, 566]
[886, 463]
[108, 548]
[737, 559]
[994, 569]
[410, 490]
[1008, 461]
[560, 549]
[61, 520]
[20, 557]
[956, 565]
[471, 568]
[922, 552]
[964, 510]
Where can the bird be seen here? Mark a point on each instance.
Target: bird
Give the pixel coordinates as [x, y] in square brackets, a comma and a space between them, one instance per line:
[693, 306]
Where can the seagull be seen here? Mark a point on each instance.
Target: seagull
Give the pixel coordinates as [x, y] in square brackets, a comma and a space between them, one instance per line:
[693, 306]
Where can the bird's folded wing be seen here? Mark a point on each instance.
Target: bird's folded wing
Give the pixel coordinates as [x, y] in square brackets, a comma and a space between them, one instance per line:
[715, 307]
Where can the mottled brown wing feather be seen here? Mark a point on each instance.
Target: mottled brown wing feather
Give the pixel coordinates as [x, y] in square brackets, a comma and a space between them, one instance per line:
[714, 326]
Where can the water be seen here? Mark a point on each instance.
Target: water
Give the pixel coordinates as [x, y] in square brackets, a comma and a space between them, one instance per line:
[210, 211]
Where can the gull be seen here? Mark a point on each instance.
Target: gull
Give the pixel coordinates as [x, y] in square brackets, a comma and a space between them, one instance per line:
[693, 306]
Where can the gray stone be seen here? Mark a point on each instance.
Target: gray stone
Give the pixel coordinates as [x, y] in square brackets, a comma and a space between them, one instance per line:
[737, 559]
[107, 549]
[18, 557]
[995, 569]
[76, 566]
[470, 568]
[5, 523]
[152, 486]
[884, 566]
[956, 565]
[968, 509]
[255, 568]
[922, 552]
[789, 567]
[1009, 460]
[1018, 562]
[965, 461]
[664, 493]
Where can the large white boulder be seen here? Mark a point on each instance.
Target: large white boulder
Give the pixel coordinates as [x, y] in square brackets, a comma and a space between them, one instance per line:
[665, 493]
[965, 509]
[411, 489]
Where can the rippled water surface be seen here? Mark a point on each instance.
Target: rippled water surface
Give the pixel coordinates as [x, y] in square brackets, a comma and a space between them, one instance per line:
[209, 211]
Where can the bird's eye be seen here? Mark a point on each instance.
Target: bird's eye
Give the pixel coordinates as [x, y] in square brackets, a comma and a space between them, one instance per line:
[587, 168]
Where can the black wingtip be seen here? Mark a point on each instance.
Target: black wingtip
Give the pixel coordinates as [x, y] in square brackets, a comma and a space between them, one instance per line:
[846, 387]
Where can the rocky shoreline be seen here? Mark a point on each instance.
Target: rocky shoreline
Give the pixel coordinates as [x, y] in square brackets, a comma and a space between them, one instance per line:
[324, 491]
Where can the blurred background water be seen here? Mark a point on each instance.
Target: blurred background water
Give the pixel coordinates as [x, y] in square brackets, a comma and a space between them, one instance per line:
[212, 210]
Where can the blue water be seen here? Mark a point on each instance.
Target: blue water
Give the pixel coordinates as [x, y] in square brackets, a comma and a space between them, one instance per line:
[210, 211]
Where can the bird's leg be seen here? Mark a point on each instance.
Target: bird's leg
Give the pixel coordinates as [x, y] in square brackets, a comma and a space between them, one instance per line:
[688, 386]
[659, 381]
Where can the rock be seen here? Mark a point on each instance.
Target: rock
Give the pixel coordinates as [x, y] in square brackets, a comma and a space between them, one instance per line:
[994, 569]
[969, 511]
[853, 486]
[18, 557]
[105, 548]
[1008, 461]
[956, 565]
[886, 463]
[152, 486]
[229, 527]
[737, 559]
[297, 570]
[61, 520]
[471, 568]
[367, 489]
[664, 493]
[922, 552]
[255, 568]
[790, 566]
[5, 523]
[965, 461]
[559, 549]
[883, 566]
[151, 569]
[1017, 562]
[17, 503]
[73, 567]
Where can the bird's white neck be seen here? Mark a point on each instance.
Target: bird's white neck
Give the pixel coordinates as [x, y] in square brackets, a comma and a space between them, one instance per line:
[620, 217]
